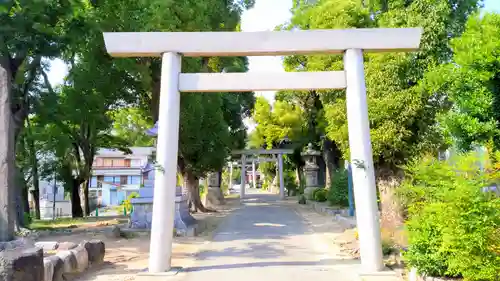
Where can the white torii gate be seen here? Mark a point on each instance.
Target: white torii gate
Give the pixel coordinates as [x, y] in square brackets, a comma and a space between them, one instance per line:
[278, 152]
[349, 42]
[249, 163]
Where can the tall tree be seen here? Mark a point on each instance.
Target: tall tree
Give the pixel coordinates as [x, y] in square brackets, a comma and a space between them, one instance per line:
[274, 124]
[29, 32]
[402, 116]
[213, 15]
[320, 15]
[79, 117]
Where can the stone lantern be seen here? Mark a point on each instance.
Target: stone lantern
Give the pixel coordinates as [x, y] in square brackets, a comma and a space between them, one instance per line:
[311, 170]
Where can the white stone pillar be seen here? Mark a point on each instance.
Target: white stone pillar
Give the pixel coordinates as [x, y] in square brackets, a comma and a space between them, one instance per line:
[162, 226]
[230, 184]
[282, 181]
[243, 175]
[254, 182]
[363, 176]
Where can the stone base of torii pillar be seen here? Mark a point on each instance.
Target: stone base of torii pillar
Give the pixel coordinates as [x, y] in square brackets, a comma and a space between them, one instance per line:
[142, 216]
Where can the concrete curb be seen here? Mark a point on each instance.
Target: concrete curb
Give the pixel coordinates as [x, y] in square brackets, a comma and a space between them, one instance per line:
[337, 213]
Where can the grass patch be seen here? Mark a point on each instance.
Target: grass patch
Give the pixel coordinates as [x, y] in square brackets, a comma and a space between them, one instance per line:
[65, 223]
[232, 196]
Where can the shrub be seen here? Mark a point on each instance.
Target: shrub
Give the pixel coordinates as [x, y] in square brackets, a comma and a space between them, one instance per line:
[320, 195]
[453, 226]
[127, 204]
[387, 247]
[290, 185]
[313, 193]
[338, 194]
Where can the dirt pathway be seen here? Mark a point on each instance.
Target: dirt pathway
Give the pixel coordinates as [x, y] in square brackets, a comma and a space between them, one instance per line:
[125, 257]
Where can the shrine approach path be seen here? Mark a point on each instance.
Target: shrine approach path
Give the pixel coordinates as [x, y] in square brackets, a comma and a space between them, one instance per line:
[268, 239]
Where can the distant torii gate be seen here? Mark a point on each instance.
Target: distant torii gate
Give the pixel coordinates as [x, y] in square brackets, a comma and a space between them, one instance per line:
[244, 153]
[349, 42]
[250, 162]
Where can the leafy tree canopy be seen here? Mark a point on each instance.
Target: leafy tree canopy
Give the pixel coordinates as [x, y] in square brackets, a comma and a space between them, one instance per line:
[471, 84]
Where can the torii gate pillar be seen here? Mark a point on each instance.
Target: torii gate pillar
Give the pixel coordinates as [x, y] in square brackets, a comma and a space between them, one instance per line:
[162, 226]
[367, 219]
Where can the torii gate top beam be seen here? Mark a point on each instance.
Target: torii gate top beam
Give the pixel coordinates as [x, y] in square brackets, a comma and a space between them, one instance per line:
[263, 43]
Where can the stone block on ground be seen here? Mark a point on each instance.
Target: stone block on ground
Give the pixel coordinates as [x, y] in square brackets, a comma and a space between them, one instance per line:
[113, 232]
[57, 267]
[48, 245]
[48, 270]
[70, 264]
[66, 246]
[21, 264]
[95, 250]
[82, 258]
[214, 197]
[142, 216]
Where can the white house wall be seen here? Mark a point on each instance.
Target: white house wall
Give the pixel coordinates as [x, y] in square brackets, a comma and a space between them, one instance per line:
[63, 209]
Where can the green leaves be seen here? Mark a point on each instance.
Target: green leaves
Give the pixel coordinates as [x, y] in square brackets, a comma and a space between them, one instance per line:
[274, 124]
[453, 224]
[204, 136]
[403, 112]
[471, 83]
[130, 124]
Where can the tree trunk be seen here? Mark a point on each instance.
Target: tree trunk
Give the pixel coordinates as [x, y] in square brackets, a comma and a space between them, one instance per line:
[36, 198]
[7, 157]
[86, 205]
[19, 209]
[76, 203]
[25, 198]
[24, 192]
[329, 166]
[193, 188]
[392, 218]
[35, 178]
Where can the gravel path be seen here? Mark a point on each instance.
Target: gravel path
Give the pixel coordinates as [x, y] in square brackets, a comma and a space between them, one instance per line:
[270, 240]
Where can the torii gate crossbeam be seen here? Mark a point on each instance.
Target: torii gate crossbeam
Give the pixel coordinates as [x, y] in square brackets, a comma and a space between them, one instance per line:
[350, 42]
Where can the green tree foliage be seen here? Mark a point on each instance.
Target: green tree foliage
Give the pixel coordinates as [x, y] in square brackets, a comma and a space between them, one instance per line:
[452, 222]
[201, 148]
[131, 124]
[31, 31]
[274, 124]
[471, 84]
[75, 116]
[338, 195]
[402, 117]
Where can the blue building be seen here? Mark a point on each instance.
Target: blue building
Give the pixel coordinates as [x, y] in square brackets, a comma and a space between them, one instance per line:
[116, 175]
